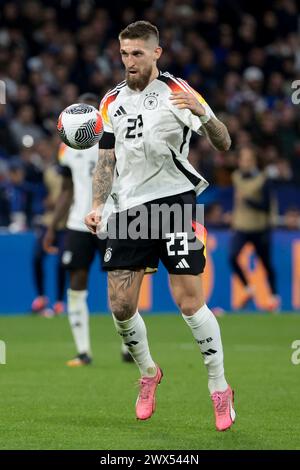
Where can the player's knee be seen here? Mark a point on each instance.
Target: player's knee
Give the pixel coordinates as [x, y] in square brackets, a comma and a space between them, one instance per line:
[122, 309]
[190, 305]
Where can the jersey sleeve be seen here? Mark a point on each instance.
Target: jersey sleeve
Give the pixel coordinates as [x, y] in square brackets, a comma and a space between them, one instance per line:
[63, 167]
[62, 155]
[108, 139]
[185, 115]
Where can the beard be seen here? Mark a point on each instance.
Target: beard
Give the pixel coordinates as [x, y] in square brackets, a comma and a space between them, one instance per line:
[140, 81]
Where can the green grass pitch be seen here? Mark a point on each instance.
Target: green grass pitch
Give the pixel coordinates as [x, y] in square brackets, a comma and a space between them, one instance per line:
[45, 405]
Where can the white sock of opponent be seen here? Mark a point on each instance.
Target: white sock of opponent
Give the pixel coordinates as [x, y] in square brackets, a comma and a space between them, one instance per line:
[134, 336]
[206, 331]
[78, 314]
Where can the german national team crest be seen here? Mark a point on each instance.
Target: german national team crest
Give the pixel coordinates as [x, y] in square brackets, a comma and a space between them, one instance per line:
[151, 101]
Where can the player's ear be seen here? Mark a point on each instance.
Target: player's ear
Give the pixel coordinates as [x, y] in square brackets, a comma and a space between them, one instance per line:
[157, 52]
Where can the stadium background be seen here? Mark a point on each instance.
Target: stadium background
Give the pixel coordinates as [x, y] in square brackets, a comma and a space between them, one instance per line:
[50, 52]
[243, 58]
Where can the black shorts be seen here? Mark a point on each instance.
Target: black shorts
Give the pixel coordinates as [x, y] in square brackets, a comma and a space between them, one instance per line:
[80, 249]
[170, 230]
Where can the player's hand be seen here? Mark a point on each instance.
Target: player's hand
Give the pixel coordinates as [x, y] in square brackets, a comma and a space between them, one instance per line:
[185, 100]
[48, 242]
[92, 220]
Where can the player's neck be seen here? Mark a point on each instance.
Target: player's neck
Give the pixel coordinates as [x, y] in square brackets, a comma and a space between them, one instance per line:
[154, 75]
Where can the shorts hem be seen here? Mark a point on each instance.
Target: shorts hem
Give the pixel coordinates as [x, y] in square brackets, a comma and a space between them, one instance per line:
[186, 273]
[130, 268]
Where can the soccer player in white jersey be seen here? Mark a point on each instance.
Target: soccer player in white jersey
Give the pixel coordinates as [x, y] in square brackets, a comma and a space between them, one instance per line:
[148, 122]
[81, 246]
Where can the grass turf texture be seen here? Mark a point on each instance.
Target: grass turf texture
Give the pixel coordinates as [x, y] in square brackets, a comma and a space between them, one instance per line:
[45, 405]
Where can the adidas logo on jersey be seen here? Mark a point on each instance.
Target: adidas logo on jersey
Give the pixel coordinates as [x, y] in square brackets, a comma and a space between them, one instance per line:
[183, 264]
[120, 111]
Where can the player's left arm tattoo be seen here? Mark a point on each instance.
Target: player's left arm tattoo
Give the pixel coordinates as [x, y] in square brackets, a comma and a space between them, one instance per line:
[214, 129]
[217, 133]
[103, 176]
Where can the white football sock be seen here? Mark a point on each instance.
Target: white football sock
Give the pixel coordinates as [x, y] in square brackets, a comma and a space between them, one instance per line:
[206, 331]
[78, 314]
[124, 348]
[134, 336]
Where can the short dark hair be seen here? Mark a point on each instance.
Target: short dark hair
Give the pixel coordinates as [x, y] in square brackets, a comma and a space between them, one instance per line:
[139, 30]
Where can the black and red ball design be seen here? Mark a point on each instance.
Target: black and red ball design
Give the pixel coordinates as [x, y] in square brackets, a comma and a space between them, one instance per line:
[80, 126]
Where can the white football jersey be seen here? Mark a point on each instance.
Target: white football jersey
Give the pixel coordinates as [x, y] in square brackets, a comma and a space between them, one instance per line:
[82, 164]
[151, 141]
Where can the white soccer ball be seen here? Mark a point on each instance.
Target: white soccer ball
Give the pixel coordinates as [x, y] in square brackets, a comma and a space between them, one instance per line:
[80, 126]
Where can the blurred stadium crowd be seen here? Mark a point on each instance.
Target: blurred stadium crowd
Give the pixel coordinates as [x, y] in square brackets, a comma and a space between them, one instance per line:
[241, 56]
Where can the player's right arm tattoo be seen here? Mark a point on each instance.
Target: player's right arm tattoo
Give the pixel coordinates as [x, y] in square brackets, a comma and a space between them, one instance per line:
[103, 176]
[217, 133]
